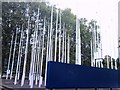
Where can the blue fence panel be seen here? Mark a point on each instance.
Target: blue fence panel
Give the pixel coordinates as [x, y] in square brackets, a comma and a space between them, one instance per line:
[61, 75]
[119, 79]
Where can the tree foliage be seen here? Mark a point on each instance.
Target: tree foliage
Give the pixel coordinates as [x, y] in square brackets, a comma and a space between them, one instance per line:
[14, 15]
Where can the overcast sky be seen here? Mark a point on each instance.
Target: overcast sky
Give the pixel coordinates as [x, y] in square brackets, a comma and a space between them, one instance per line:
[105, 12]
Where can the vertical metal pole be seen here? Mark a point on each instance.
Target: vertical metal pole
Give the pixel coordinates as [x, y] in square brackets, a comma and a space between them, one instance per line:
[19, 54]
[26, 51]
[8, 71]
[32, 60]
[56, 36]
[59, 39]
[91, 53]
[63, 44]
[39, 52]
[115, 59]
[31, 65]
[13, 55]
[31, 56]
[78, 43]
[34, 73]
[36, 45]
[111, 63]
[41, 64]
[20, 62]
[95, 49]
[115, 64]
[47, 55]
[68, 49]
[65, 47]
[50, 51]
[101, 49]
[107, 61]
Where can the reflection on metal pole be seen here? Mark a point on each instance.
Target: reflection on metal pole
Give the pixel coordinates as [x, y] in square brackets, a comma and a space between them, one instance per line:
[8, 71]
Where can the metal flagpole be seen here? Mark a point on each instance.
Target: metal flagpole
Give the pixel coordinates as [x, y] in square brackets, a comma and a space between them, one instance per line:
[111, 63]
[47, 54]
[32, 62]
[26, 51]
[19, 54]
[63, 44]
[115, 64]
[36, 55]
[56, 35]
[93, 46]
[91, 53]
[34, 66]
[59, 39]
[107, 61]
[32, 58]
[101, 48]
[94, 31]
[68, 49]
[20, 59]
[38, 58]
[13, 54]
[8, 71]
[78, 42]
[65, 47]
[41, 64]
[39, 52]
[50, 51]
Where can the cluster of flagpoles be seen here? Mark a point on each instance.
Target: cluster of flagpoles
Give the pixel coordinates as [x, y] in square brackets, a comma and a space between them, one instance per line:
[37, 42]
[96, 52]
[44, 49]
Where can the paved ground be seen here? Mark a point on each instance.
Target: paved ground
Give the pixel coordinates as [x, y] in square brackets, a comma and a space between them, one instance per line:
[8, 85]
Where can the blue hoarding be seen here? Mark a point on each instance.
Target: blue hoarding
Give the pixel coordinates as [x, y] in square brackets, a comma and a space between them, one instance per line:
[61, 75]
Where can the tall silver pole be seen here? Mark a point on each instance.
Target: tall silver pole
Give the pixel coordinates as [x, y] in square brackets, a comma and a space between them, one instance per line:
[65, 47]
[59, 39]
[107, 61]
[63, 42]
[20, 61]
[95, 50]
[101, 48]
[41, 64]
[91, 45]
[36, 46]
[19, 54]
[68, 49]
[35, 57]
[8, 71]
[78, 43]
[32, 61]
[26, 51]
[13, 55]
[51, 26]
[32, 57]
[56, 35]
[47, 54]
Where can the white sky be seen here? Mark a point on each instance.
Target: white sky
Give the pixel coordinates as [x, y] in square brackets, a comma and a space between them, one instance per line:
[106, 14]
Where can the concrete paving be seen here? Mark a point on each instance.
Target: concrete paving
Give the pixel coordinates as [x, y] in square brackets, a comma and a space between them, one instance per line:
[9, 85]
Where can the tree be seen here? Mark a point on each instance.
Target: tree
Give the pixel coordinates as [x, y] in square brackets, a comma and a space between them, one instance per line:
[14, 15]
